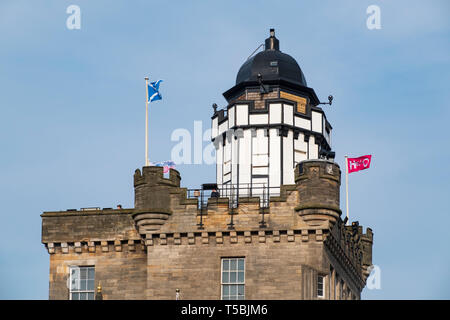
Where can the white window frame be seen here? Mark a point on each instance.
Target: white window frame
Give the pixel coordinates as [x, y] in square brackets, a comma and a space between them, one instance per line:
[228, 283]
[78, 290]
[321, 286]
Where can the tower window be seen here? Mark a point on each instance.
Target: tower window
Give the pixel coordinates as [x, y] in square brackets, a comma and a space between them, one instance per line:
[233, 278]
[81, 284]
[320, 287]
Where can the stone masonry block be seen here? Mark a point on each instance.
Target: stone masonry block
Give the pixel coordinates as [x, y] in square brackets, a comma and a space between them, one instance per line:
[191, 238]
[261, 236]
[91, 246]
[131, 246]
[248, 237]
[163, 239]
[276, 236]
[117, 245]
[105, 247]
[219, 237]
[305, 236]
[319, 235]
[233, 237]
[176, 238]
[51, 248]
[205, 238]
[290, 236]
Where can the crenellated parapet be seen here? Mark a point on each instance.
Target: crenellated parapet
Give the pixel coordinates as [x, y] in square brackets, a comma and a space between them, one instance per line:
[152, 176]
[151, 188]
[351, 246]
[367, 244]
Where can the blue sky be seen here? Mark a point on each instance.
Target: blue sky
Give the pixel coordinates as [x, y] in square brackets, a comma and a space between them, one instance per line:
[72, 114]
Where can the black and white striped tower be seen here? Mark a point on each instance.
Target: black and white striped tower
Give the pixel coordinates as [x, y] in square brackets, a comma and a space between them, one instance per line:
[272, 122]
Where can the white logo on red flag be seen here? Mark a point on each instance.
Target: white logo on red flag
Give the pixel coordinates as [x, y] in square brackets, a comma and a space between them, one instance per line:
[360, 163]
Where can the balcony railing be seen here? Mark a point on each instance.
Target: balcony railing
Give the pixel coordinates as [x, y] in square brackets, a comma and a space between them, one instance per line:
[235, 193]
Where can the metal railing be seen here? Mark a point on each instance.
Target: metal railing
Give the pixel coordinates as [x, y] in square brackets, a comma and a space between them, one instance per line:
[234, 193]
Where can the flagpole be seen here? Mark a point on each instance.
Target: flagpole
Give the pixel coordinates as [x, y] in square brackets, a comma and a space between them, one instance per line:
[346, 186]
[146, 122]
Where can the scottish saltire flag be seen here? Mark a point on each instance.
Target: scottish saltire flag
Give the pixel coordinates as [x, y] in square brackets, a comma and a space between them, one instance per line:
[153, 91]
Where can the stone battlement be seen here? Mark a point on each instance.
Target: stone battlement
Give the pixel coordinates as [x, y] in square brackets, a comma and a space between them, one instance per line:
[154, 176]
[301, 225]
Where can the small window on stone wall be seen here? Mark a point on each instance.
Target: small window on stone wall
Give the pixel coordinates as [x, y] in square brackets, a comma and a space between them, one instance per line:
[233, 279]
[320, 287]
[81, 285]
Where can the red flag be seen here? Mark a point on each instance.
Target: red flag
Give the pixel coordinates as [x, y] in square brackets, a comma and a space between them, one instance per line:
[360, 163]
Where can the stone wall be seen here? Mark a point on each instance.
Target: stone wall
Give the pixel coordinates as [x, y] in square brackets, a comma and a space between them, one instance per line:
[276, 266]
[122, 274]
[150, 251]
[72, 226]
[106, 239]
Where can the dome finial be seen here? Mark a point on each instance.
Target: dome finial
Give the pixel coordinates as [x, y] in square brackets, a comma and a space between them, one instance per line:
[272, 43]
[272, 64]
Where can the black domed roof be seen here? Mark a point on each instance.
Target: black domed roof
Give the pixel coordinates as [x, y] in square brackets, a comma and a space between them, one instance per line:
[271, 64]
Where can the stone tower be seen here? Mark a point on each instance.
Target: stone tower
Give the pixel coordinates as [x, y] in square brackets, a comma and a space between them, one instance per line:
[285, 240]
[318, 185]
[152, 197]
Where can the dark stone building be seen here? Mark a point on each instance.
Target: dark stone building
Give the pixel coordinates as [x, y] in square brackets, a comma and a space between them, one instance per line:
[271, 228]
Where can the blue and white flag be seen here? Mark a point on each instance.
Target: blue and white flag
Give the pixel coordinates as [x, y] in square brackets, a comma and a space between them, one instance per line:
[153, 91]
